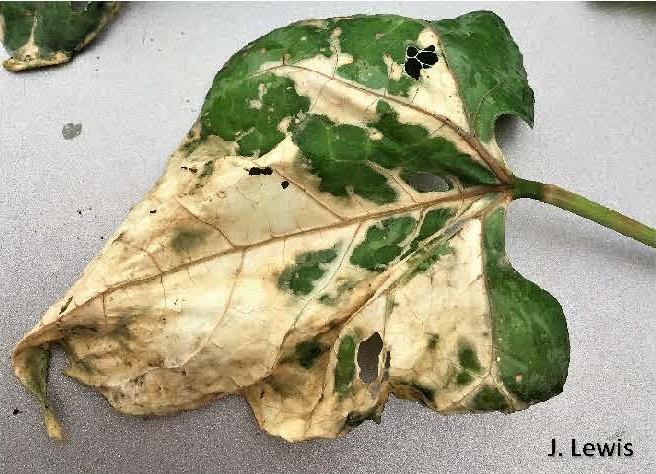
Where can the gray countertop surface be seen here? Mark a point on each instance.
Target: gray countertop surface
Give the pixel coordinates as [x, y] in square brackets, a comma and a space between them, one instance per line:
[137, 90]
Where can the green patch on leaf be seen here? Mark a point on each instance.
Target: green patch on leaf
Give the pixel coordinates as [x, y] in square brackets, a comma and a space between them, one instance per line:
[489, 399]
[401, 87]
[463, 378]
[467, 357]
[18, 18]
[528, 325]
[427, 258]
[345, 367]
[383, 243]
[434, 220]
[249, 111]
[368, 39]
[413, 148]
[327, 299]
[332, 298]
[338, 155]
[488, 68]
[299, 278]
[307, 352]
[184, 240]
[343, 156]
[246, 104]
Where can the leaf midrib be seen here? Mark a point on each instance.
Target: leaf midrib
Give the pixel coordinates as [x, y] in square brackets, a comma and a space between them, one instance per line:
[474, 192]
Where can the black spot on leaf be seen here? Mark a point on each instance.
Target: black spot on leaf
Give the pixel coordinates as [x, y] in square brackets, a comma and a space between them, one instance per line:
[284, 184]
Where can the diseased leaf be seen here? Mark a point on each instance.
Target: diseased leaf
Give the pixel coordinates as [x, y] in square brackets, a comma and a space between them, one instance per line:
[341, 182]
[39, 34]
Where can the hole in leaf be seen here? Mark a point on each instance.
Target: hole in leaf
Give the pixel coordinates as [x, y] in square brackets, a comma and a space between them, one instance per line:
[368, 358]
[426, 182]
[416, 60]
[412, 68]
[427, 58]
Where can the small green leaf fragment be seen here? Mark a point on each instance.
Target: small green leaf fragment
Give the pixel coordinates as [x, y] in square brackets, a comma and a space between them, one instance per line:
[426, 258]
[432, 223]
[345, 367]
[307, 352]
[401, 87]
[382, 243]
[65, 305]
[333, 297]
[489, 399]
[37, 360]
[184, 240]
[299, 278]
[464, 378]
[467, 357]
[18, 20]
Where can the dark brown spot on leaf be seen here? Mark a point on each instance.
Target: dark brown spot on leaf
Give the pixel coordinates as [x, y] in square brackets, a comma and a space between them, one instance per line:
[256, 171]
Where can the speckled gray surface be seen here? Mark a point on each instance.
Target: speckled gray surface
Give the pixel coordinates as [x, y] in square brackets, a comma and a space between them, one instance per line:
[139, 88]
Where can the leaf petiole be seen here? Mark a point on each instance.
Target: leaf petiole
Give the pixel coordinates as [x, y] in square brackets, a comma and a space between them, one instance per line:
[572, 202]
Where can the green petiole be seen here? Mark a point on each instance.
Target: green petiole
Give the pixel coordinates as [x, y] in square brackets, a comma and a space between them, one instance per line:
[572, 202]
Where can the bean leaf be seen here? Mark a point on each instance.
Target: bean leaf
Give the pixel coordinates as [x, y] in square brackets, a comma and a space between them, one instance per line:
[39, 34]
[341, 185]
